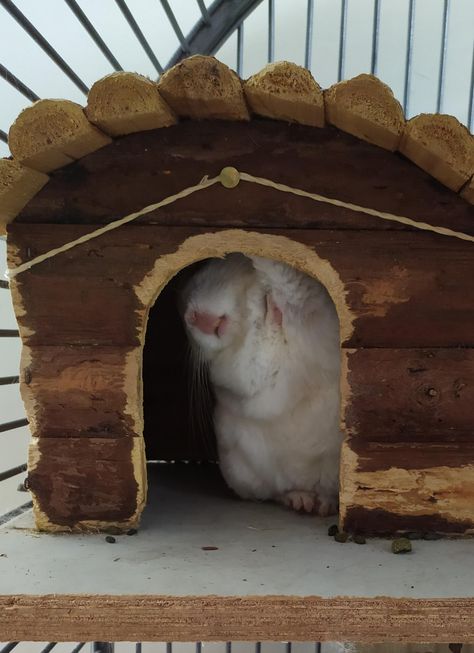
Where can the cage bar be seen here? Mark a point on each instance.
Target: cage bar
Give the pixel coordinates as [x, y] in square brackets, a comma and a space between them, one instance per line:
[223, 19]
[9, 380]
[204, 11]
[122, 5]
[409, 53]
[17, 84]
[271, 31]
[9, 647]
[9, 333]
[15, 424]
[309, 34]
[470, 109]
[375, 37]
[93, 33]
[240, 49]
[342, 41]
[13, 471]
[175, 25]
[442, 56]
[44, 44]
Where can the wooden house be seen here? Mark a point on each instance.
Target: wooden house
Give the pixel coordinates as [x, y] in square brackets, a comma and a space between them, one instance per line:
[390, 235]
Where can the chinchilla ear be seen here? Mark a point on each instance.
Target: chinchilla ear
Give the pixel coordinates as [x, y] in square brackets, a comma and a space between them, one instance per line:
[183, 282]
[257, 261]
[274, 314]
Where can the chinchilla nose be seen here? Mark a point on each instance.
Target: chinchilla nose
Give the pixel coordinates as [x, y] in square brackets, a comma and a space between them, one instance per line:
[207, 323]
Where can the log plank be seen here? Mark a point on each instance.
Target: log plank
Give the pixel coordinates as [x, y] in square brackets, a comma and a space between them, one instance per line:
[50, 134]
[388, 523]
[76, 391]
[140, 169]
[404, 289]
[285, 91]
[442, 146]
[17, 186]
[78, 311]
[81, 392]
[366, 107]
[203, 87]
[388, 488]
[122, 103]
[404, 395]
[83, 479]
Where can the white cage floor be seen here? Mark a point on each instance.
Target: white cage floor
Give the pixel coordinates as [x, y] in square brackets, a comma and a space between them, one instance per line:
[261, 549]
[205, 565]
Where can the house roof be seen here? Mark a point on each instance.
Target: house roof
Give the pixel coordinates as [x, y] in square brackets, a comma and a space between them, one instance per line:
[51, 134]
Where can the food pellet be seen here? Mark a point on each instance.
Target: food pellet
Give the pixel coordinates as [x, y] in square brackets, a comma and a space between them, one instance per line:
[132, 531]
[359, 539]
[401, 545]
[110, 539]
[341, 537]
[332, 530]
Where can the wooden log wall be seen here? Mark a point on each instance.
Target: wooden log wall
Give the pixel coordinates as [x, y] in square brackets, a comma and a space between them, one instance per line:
[407, 356]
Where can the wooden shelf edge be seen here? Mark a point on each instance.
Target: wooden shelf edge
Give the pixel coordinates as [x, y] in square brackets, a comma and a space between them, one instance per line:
[83, 617]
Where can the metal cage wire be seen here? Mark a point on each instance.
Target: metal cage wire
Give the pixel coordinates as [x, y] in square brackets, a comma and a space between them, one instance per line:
[164, 647]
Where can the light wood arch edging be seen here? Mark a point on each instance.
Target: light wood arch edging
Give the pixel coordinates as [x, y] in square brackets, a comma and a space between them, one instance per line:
[279, 248]
[217, 245]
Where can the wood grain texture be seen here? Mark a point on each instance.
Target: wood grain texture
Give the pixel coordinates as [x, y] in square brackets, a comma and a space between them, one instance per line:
[366, 107]
[140, 169]
[88, 480]
[123, 103]
[50, 134]
[285, 91]
[467, 192]
[17, 186]
[78, 311]
[404, 289]
[238, 618]
[73, 391]
[388, 523]
[203, 87]
[405, 395]
[386, 488]
[442, 146]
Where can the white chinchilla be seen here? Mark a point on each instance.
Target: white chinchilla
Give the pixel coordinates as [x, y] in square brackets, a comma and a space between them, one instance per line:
[269, 336]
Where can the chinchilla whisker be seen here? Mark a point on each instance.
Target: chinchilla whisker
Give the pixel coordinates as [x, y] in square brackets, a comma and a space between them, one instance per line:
[193, 392]
[204, 400]
[200, 417]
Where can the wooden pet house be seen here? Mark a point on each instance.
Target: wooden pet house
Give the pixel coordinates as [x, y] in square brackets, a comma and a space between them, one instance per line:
[384, 220]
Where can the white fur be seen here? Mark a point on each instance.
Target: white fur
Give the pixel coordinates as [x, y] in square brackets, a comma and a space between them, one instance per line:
[276, 386]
